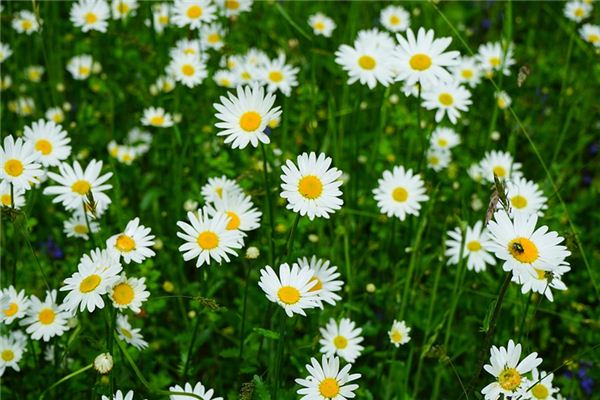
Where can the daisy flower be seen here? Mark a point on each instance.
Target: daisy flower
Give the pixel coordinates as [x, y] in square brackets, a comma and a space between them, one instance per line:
[212, 36]
[129, 293]
[25, 22]
[81, 66]
[312, 187]
[46, 319]
[577, 10]
[375, 37]
[438, 159]
[55, 114]
[187, 69]
[467, 71]
[503, 100]
[591, 34]
[245, 117]
[224, 78]
[278, 75]
[321, 24]
[394, 19]
[245, 73]
[188, 47]
[122, 9]
[75, 184]
[291, 289]
[50, 140]
[509, 372]
[234, 7]
[474, 250]
[96, 273]
[158, 117]
[399, 334]
[161, 16]
[34, 73]
[341, 340]
[19, 163]
[501, 164]
[218, 187]
[15, 198]
[493, 57]
[326, 278]
[165, 83]
[76, 226]
[400, 193]
[16, 305]
[422, 58]
[133, 244]
[367, 63]
[193, 13]
[11, 353]
[120, 396]
[239, 208]
[23, 106]
[5, 51]
[449, 99]
[198, 390]
[543, 282]
[525, 197]
[128, 334]
[524, 248]
[326, 381]
[444, 138]
[90, 15]
[208, 238]
[542, 388]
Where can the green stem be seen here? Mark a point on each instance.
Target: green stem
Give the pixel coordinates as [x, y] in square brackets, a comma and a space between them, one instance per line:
[66, 378]
[390, 376]
[269, 210]
[12, 196]
[243, 327]
[87, 224]
[276, 375]
[289, 244]
[191, 347]
[522, 324]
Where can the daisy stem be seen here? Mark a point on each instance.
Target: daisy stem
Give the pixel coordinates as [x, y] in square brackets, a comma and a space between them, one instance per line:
[87, 224]
[522, 324]
[269, 204]
[289, 244]
[12, 196]
[37, 260]
[390, 376]
[66, 378]
[276, 376]
[456, 291]
[191, 347]
[243, 327]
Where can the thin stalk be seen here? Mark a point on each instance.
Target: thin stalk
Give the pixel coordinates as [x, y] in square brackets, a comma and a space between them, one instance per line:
[458, 283]
[66, 378]
[37, 261]
[87, 224]
[522, 324]
[289, 244]
[348, 264]
[269, 210]
[276, 376]
[243, 327]
[12, 196]
[390, 376]
[191, 347]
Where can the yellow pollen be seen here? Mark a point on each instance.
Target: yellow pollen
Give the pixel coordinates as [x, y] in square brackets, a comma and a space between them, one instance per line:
[318, 285]
[43, 146]
[275, 76]
[523, 249]
[474, 245]
[310, 187]
[509, 379]
[57, 118]
[194, 12]
[446, 99]
[8, 355]
[250, 121]
[123, 8]
[123, 294]
[13, 167]
[84, 71]
[6, 200]
[394, 20]
[213, 38]
[495, 61]
[219, 191]
[26, 25]
[157, 120]
[329, 388]
[396, 336]
[467, 73]
[400, 194]
[501, 103]
[340, 342]
[579, 12]
[90, 283]
[81, 186]
[420, 62]
[225, 82]
[234, 221]
[80, 229]
[499, 171]
[593, 38]
[163, 19]
[46, 316]
[208, 240]
[11, 310]
[433, 160]
[126, 333]
[541, 275]
[90, 18]
[319, 25]
[246, 76]
[187, 70]
[288, 295]
[367, 62]
[125, 243]
[540, 391]
[442, 142]
[232, 4]
[519, 201]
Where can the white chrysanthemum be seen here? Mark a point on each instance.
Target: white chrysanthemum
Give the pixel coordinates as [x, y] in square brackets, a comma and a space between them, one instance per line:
[19, 163]
[193, 13]
[525, 197]
[5, 51]
[326, 278]
[224, 78]
[255, 57]
[187, 69]
[90, 15]
[198, 389]
[326, 381]
[312, 187]
[50, 140]
[501, 164]
[540, 387]
[422, 58]
[291, 289]
[591, 34]
[76, 226]
[96, 273]
[278, 75]
[11, 353]
[122, 9]
[55, 114]
[321, 24]
[129, 334]
[577, 10]
[133, 244]
[399, 333]
[543, 282]
[438, 159]
[81, 66]
[25, 22]
[503, 100]
[34, 73]
[444, 138]
[212, 36]
[493, 57]
[165, 83]
[218, 187]
[75, 184]
[367, 62]
[129, 293]
[245, 117]
[449, 99]
[239, 208]
[394, 18]
[509, 372]
[208, 238]
[14, 305]
[22, 106]
[474, 250]
[10, 198]
[157, 117]
[161, 16]
[120, 396]
[400, 193]
[46, 319]
[234, 7]
[245, 73]
[341, 339]
[467, 71]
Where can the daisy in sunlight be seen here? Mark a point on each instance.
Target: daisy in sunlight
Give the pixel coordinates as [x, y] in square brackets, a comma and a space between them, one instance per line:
[90, 15]
[133, 244]
[157, 117]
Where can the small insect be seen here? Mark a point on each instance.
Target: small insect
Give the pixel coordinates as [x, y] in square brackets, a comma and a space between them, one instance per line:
[499, 195]
[518, 248]
[90, 204]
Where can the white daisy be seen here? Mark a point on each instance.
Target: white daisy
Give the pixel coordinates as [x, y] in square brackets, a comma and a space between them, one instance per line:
[438, 159]
[399, 333]
[543, 282]
[367, 63]
[291, 289]
[34, 73]
[158, 117]
[501, 164]
[467, 71]
[341, 339]
[218, 187]
[278, 75]
[449, 99]
[9, 198]
[193, 13]
[212, 36]
[255, 57]
[474, 250]
[239, 208]
[133, 244]
[312, 187]
[525, 197]
[577, 10]
[90, 15]
[245, 73]
[326, 278]
[129, 293]
[161, 16]
[591, 34]
[224, 78]
[25, 22]
[400, 193]
[444, 138]
[5, 51]
[76, 226]
[120, 396]
[540, 387]
[81, 66]
[128, 334]
[375, 37]
[394, 18]
[493, 57]
[326, 381]
[187, 69]
[198, 389]
[234, 7]
[503, 100]
[22, 106]
[46, 319]
[19, 163]
[321, 24]
[122, 9]
[245, 117]
[50, 140]
[11, 353]
[165, 83]
[15, 305]
[55, 114]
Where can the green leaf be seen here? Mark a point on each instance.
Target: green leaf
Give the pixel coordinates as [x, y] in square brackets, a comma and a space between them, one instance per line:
[261, 391]
[267, 333]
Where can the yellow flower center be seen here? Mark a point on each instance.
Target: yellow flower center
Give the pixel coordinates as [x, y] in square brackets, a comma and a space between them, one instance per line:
[81, 186]
[540, 391]
[90, 18]
[509, 379]
[288, 295]
[84, 71]
[394, 20]
[187, 70]
[208, 240]
[125, 243]
[232, 4]
[123, 8]
[495, 61]
[579, 12]
[194, 12]
[467, 73]
[43, 146]
[275, 76]
[225, 82]
[80, 229]
[34, 75]
[446, 99]
[433, 160]
[367, 62]
[26, 25]
[420, 62]
[318, 285]
[474, 245]
[11, 310]
[126, 333]
[46, 316]
[123, 294]
[319, 25]
[13, 167]
[6, 200]
[501, 103]
[499, 171]
[157, 120]
[400, 194]
[329, 388]
[442, 142]
[58, 118]
[250, 121]
[593, 38]
[523, 249]
[8, 355]
[340, 342]
[310, 187]
[519, 201]
[213, 38]
[246, 76]
[90, 283]
[234, 221]
[163, 19]
[541, 275]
